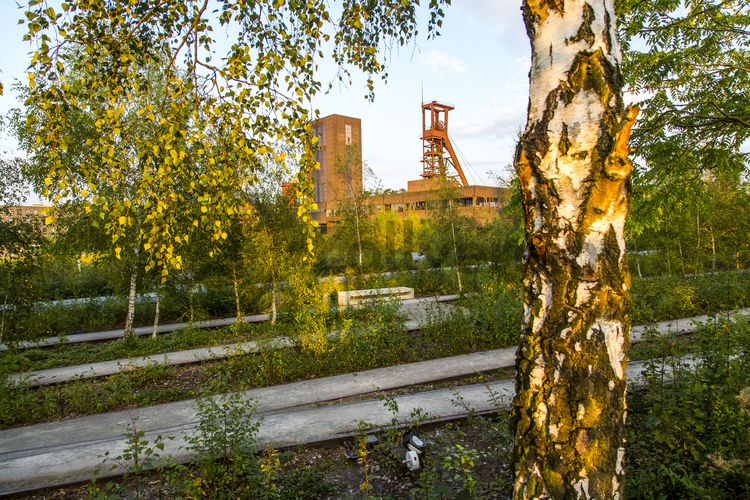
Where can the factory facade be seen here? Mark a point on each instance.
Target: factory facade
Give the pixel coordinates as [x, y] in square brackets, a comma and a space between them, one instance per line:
[340, 175]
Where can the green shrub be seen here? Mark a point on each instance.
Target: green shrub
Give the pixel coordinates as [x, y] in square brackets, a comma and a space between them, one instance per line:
[689, 427]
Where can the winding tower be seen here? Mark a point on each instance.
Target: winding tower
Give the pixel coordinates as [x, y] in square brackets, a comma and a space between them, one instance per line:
[438, 156]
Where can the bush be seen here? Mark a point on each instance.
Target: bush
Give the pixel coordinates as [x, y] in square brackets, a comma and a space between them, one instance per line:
[689, 427]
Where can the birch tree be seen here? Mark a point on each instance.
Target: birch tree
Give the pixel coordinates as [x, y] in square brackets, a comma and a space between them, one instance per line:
[122, 182]
[254, 97]
[356, 228]
[572, 162]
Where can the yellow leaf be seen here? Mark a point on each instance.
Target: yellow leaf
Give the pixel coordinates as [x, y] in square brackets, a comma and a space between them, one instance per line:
[49, 220]
[146, 246]
[117, 252]
[224, 235]
[122, 220]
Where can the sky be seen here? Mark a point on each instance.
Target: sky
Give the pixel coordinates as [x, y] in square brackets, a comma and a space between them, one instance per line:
[479, 64]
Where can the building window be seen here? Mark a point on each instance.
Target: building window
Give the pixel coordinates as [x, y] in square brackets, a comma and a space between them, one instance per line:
[464, 202]
[348, 135]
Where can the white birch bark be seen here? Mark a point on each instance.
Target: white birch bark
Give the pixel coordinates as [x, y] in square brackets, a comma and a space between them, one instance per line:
[573, 166]
[131, 302]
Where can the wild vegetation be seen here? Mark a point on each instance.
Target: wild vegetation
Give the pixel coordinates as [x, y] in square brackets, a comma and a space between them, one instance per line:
[165, 170]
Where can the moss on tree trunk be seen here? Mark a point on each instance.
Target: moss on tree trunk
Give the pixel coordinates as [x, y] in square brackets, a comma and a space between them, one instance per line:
[572, 161]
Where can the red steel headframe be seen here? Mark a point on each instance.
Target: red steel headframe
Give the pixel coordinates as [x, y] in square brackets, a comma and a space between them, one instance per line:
[435, 143]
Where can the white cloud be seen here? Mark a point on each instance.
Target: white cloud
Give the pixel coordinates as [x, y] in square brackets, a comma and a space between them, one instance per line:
[497, 123]
[443, 63]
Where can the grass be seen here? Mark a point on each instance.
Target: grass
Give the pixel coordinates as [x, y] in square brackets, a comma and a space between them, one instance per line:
[82, 353]
[672, 297]
[660, 298]
[372, 338]
[377, 338]
[109, 314]
[688, 434]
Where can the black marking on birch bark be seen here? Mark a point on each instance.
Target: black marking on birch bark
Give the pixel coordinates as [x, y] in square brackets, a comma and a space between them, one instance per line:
[564, 145]
[607, 34]
[585, 32]
[535, 12]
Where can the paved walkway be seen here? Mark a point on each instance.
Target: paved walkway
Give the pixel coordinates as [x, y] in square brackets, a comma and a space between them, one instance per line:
[686, 325]
[416, 309]
[69, 450]
[140, 332]
[171, 327]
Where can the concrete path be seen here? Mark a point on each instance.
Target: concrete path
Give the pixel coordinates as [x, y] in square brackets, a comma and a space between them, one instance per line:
[685, 325]
[104, 368]
[171, 327]
[140, 332]
[69, 450]
[418, 310]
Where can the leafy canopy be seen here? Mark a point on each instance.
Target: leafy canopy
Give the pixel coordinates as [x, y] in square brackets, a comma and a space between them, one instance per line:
[221, 117]
[688, 63]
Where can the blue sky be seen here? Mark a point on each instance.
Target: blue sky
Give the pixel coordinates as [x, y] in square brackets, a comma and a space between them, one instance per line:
[479, 65]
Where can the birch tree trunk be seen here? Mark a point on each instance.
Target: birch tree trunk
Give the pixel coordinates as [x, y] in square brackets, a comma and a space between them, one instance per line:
[456, 267]
[154, 332]
[359, 235]
[274, 303]
[713, 249]
[572, 162]
[236, 286]
[698, 243]
[131, 302]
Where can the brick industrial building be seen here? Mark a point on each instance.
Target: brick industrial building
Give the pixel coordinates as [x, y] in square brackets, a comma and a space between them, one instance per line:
[340, 173]
[340, 157]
